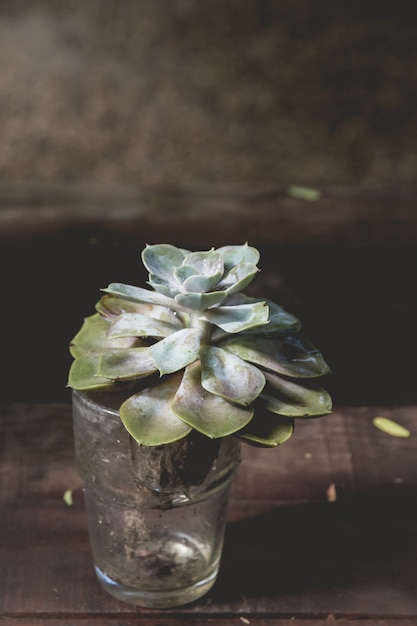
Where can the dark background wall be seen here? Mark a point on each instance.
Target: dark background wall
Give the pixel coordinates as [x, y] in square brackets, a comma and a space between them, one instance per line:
[252, 91]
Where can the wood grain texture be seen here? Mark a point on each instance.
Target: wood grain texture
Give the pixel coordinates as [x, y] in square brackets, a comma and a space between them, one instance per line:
[196, 214]
[324, 526]
[184, 620]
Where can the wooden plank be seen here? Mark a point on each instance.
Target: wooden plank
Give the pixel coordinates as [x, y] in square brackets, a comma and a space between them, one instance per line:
[36, 451]
[214, 215]
[291, 550]
[183, 620]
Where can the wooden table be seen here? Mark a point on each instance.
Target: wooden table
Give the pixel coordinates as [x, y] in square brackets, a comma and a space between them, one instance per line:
[321, 529]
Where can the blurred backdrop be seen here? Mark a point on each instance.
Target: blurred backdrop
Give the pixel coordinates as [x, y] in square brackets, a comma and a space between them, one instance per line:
[157, 91]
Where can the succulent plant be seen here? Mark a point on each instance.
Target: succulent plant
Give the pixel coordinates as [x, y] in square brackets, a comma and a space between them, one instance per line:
[195, 352]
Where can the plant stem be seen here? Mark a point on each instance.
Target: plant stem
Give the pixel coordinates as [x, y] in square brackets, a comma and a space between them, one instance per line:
[203, 326]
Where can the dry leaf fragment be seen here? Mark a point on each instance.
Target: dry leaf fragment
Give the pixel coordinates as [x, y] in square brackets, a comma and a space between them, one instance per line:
[331, 493]
[304, 193]
[390, 427]
[67, 497]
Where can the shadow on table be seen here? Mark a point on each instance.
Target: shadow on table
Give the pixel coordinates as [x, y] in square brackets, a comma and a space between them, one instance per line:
[369, 539]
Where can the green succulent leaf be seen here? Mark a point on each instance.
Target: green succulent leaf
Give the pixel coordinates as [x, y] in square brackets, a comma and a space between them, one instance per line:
[235, 319]
[238, 278]
[287, 397]
[184, 272]
[92, 338]
[267, 430]
[233, 255]
[148, 415]
[200, 283]
[200, 301]
[208, 263]
[162, 259]
[176, 351]
[209, 414]
[83, 374]
[138, 325]
[168, 288]
[126, 364]
[138, 294]
[227, 375]
[284, 354]
[111, 307]
[280, 320]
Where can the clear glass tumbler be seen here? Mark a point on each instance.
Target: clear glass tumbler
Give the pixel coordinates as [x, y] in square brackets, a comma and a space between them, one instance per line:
[157, 514]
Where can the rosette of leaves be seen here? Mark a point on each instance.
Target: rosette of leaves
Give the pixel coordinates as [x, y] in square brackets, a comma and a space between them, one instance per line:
[194, 352]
